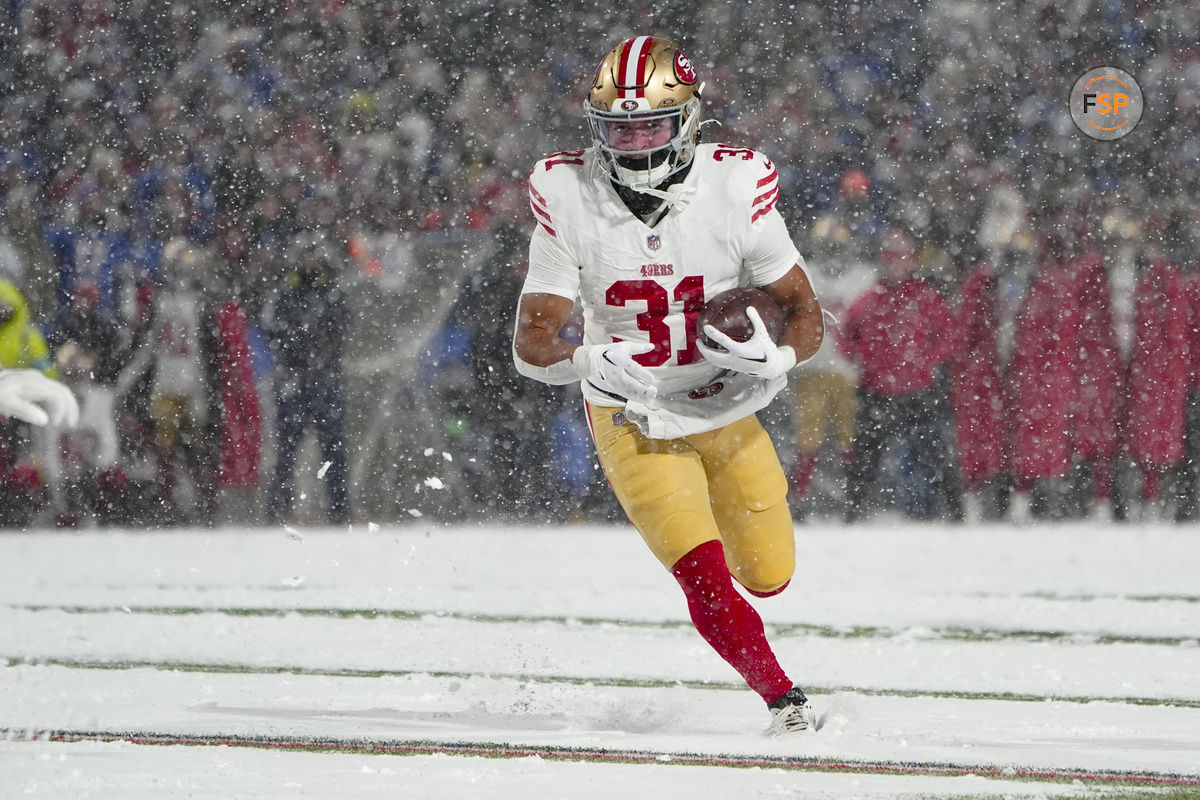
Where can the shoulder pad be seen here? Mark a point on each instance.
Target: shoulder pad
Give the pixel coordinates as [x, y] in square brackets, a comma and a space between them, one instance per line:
[542, 183]
[567, 157]
[751, 175]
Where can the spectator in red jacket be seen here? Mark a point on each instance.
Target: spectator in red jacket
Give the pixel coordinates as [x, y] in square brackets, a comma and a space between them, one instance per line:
[1041, 381]
[1099, 378]
[1159, 373]
[901, 335]
[239, 453]
[978, 395]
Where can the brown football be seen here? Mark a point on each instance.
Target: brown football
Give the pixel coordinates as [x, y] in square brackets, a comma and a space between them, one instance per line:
[727, 313]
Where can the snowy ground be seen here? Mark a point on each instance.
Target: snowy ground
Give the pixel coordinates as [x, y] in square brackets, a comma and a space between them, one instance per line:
[510, 663]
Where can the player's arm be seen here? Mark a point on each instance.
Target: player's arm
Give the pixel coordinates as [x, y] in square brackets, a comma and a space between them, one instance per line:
[540, 353]
[769, 250]
[759, 355]
[536, 343]
[804, 326]
[547, 298]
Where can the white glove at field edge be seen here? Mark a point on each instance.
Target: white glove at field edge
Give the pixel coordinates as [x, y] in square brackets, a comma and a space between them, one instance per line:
[757, 356]
[30, 396]
[611, 367]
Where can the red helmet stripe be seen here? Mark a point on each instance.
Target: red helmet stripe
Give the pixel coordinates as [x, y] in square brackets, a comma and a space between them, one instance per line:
[632, 66]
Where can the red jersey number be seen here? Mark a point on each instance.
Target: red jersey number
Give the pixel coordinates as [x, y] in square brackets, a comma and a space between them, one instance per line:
[744, 153]
[689, 292]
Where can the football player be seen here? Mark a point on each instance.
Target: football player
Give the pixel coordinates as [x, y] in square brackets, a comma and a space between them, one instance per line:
[642, 228]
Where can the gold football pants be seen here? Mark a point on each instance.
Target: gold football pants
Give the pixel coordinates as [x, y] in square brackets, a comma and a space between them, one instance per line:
[724, 485]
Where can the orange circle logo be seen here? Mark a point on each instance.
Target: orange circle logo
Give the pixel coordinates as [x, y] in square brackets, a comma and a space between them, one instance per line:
[1106, 103]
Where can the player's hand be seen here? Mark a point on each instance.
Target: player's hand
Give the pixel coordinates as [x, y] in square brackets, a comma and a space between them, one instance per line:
[29, 395]
[611, 367]
[757, 356]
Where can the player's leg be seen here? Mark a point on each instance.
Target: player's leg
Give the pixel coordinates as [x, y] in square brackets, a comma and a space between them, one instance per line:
[662, 486]
[748, 495]
[199, 450]
[166, 411]
[747, 492]
[727, 622]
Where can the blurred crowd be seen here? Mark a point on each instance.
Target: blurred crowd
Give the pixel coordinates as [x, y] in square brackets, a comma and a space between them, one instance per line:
[199, 200]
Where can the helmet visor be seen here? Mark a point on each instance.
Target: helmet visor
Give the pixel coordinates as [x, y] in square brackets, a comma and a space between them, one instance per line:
[636, 135]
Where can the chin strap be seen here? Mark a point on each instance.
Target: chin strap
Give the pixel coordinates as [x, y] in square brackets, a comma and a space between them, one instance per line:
[676, 195]
[641, 180]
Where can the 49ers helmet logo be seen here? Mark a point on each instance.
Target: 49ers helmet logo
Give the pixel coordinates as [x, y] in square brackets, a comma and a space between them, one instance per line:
[683, 68]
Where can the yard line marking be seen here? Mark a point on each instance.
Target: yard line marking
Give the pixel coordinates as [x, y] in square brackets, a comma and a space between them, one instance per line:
[776, 629]
[607, 755]
[1087, 597]
[573, 680]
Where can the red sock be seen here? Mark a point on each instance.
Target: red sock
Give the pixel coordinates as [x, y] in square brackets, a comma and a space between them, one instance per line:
[727, 621]
[802, 472]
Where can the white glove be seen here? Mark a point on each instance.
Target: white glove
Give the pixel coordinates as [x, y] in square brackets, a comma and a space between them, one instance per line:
[611, 368]
[29, 395]
[757, 356]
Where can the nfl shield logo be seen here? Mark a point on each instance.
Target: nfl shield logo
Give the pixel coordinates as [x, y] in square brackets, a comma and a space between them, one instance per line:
[653, 241]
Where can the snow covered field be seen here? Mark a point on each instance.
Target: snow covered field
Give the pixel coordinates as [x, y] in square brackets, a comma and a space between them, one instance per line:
[470, 662]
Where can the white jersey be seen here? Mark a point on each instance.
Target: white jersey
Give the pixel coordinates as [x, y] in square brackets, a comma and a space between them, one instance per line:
[838, 282]
[647, 284]
[180, 371]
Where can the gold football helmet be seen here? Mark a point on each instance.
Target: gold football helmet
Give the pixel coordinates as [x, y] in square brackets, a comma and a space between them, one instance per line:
[644, 111]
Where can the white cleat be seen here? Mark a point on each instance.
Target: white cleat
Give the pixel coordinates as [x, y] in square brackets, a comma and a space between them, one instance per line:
[791, 713]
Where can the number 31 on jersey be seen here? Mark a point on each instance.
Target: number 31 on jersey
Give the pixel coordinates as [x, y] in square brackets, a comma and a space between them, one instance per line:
[689, 292]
